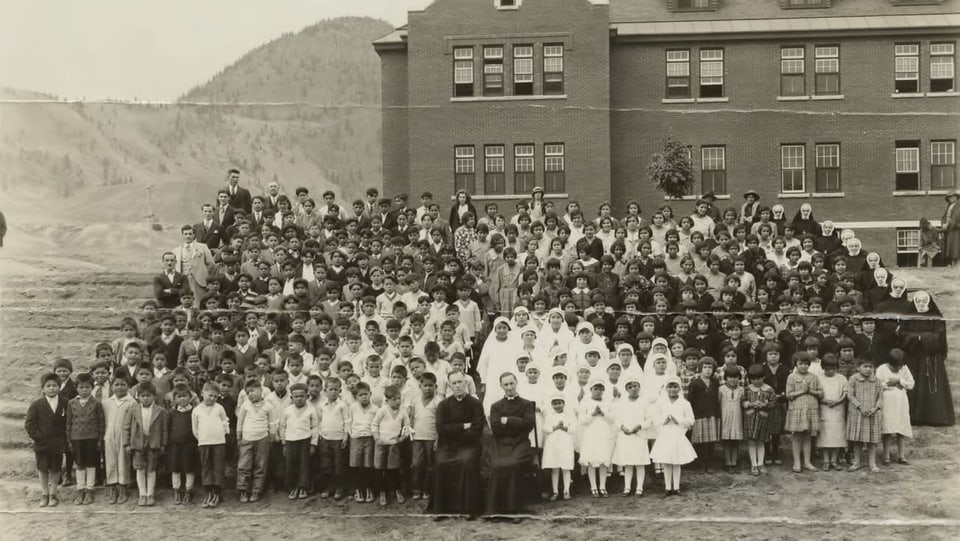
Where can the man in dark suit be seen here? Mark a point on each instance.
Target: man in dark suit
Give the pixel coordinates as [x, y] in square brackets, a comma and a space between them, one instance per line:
[169, 284]
[257, 216]
[239, 198]
[209, 231]
[273, 194]
[224, 213]
[388, 217]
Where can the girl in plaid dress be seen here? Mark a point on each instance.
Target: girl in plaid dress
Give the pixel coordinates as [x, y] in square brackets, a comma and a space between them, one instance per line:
[864, 416]
[758, 398]
[803, 413]
[731, 417]
[705, 400]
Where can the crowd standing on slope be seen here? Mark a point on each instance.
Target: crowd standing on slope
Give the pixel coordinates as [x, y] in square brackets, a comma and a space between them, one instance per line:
[362, 350]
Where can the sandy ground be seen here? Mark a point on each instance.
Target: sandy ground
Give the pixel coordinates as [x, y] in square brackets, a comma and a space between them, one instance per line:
[64, 309]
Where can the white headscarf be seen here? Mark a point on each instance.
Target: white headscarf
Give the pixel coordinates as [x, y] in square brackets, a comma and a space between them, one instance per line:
[547, 338]
[897, 288]
[873, 260]
[777, 211]
[880, 275]
[921, 301]
[853, 247]
[827, 228]
[806, 211]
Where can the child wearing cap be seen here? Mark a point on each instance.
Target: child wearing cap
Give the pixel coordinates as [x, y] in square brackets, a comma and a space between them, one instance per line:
[596, 443]
[559, 427]
[631, 448]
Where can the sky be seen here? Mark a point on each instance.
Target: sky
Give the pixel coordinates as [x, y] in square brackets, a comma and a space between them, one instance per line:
[149, 49]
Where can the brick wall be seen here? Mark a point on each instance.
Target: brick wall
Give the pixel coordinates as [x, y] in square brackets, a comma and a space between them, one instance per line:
[395, 146]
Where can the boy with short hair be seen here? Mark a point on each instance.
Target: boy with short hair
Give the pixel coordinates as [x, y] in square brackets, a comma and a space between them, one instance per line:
[211, 426]
[423, 420]
[299, 431]
[46, 426]
[85, 428]
[361, 415]
[145, 437]
[182, 449]
[256, 428]
[391, 426]
[334, 436]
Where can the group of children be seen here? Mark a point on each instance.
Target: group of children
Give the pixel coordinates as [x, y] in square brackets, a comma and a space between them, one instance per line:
[316, 359]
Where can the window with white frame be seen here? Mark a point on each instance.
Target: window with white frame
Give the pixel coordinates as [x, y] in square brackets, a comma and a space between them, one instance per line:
[828, 167]
[713, 169]
[678, 73]
[462, 72]
[908, 240]
[943, 165]
[792, 169]
[523, 169]
[507, 4]
[553, 68]
[792, 71]
[493, 71]
[554, 168]
[827, 70]
[908, 165]
[494, 170]
[907, 60]
[711, 73]
[694, 5]
[464, 168]
[523, 70]
[942, 61]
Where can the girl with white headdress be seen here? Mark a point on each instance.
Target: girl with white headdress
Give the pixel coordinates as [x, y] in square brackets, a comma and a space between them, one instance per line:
[924, 336]
[596, 424]
[499, 355]
[560, 427]
[628, 362]
[631, 450]
[659, 347]
[529, 346]
[520, 321]
[673, 416]
[532, 387]
[585, 340]
[555, 333]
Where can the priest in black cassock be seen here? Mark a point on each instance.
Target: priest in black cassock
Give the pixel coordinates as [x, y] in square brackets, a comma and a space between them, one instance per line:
[511, 462]
[457, 486]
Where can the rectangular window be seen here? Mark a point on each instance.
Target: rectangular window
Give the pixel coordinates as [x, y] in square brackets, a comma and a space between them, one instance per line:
[792, 71]
[678, 73]
[553, 168]
[523, 70]
[942, 62]
[493, 71]
[464, 169]
[494, 170]
[792, 169]
[553, 68]
[907, 60]
[943, 165]
[908, 247]
[713, 169]
[711, 73]
[463, 72]
[828, 167]
[523, 169]
[827, 68]
[908, 165]
[694, 5]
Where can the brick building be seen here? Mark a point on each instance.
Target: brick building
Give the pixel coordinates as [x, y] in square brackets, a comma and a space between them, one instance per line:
[850, 105]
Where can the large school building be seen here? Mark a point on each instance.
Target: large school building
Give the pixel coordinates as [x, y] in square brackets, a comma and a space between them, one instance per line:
[849, 105]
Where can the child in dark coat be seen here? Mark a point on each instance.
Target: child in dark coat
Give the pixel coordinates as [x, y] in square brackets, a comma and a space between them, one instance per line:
[46, 424]
[86, 426]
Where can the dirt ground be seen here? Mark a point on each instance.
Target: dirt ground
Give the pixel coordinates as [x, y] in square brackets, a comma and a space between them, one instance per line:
[54, 313]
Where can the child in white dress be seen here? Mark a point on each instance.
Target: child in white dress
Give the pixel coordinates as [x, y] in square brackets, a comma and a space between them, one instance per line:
[895, 380]
[596, 444]
[832, 437]
[560, 427]
[631, 451]
[674, 416]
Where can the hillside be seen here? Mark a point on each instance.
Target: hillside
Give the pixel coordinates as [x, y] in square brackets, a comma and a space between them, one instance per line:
[92, 163]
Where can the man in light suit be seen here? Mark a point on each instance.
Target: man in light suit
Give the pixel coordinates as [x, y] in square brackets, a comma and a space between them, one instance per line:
[194, 260]
[239, 197]
[169, 284]
[209, 231]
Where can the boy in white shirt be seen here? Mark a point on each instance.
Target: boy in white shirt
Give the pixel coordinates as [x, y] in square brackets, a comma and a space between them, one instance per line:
[362, 413]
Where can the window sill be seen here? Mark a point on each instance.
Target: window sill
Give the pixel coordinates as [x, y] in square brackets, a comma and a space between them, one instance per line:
[796, 195]
[509, 98]
[826, 195]
[827, 97]
[512, 196]
[907, 95]
[713, 100]
[951, 94]
[939, 192]
[720, 197]
[793, 98]
[908, 193]
[678, 100]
